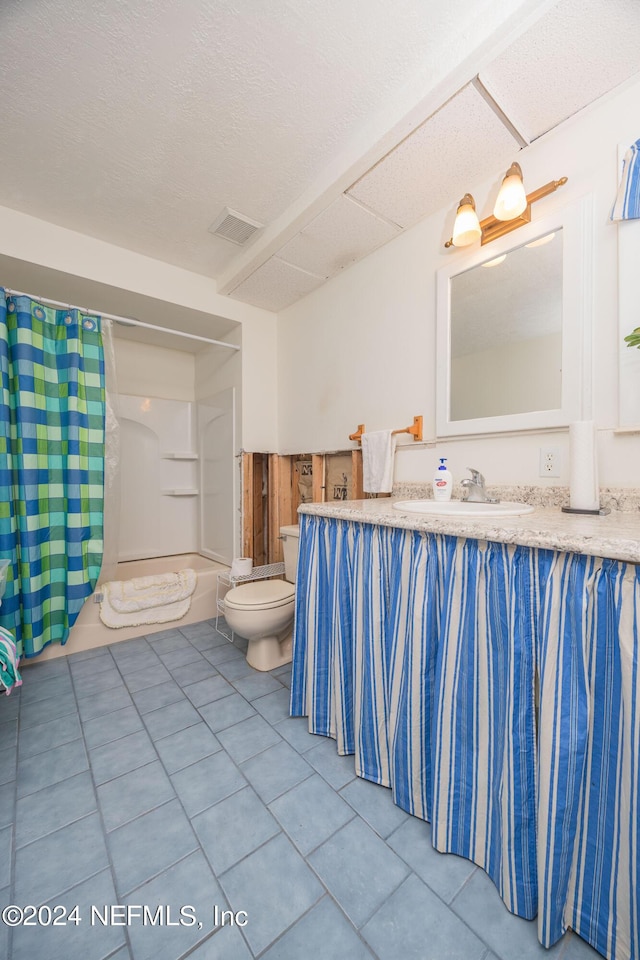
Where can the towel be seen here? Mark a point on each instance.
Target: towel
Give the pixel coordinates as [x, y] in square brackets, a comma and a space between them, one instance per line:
[627, 202]
[9, 661]
[378, 448]
[141, 600]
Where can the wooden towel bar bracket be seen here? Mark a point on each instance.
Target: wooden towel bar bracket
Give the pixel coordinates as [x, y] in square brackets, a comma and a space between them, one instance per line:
[358, 434]
[415, 430]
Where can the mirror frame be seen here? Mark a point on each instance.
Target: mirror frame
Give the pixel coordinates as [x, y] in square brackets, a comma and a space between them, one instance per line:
[575, 220]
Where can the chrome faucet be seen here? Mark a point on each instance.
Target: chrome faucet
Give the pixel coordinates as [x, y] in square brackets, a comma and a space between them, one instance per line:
[474, 491]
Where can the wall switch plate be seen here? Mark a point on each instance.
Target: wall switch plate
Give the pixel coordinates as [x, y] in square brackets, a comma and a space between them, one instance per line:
[549, 461]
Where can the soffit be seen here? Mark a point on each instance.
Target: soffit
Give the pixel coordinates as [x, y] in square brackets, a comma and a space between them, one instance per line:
[68, 288]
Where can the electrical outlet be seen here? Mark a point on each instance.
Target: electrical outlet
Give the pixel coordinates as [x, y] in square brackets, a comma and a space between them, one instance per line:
[549, 461]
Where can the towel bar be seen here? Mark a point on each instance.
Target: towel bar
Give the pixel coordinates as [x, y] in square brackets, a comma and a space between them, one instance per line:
[415, 430]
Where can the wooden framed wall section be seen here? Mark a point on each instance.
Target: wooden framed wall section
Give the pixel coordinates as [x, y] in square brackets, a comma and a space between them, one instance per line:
[273, 486]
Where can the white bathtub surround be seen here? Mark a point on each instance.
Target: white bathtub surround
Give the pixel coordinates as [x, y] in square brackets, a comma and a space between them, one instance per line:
[159, 461]
[158, 598]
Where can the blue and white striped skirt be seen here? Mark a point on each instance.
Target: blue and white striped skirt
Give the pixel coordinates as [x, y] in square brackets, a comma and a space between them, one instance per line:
[494, 688]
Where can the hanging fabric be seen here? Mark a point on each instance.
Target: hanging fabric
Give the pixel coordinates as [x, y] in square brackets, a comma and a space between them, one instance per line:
[9, 660]
[110, 546]
[627, 202]
[52, 440]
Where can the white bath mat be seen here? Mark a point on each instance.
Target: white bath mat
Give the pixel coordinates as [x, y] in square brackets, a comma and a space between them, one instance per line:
[140, 593]
[163, 614]
[154, 599]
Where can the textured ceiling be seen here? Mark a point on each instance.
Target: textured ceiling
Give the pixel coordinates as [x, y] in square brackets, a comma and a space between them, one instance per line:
[461, 143]
[578, 51]
[137, 121]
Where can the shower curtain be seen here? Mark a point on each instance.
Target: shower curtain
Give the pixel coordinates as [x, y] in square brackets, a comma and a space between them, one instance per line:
[52, 465]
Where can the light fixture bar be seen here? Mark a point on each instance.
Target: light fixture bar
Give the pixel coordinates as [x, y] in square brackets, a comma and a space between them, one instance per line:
[492, 228]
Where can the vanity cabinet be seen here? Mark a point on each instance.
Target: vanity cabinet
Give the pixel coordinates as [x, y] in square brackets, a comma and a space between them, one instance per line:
[494, 688]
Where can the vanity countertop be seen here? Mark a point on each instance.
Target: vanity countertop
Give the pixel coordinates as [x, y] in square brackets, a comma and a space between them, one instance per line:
[616, 535]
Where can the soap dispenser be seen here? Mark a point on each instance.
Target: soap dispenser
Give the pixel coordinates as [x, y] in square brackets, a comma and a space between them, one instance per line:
[442, 482]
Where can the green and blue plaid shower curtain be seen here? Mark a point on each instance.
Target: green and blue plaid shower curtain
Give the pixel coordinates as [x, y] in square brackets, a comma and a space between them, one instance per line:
[52, 433]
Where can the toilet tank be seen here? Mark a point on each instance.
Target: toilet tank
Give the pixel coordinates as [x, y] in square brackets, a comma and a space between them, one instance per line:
[290, 538]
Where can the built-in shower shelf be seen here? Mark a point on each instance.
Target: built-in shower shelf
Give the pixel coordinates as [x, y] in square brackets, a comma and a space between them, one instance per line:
[176, 455]
[181, 492]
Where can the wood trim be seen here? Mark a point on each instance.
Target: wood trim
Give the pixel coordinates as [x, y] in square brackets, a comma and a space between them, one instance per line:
[247, 505]
[258, 552]
[287, 513]
[295, 492]
[274, 546]
[317, 469]
[280, 503]
[356, 475]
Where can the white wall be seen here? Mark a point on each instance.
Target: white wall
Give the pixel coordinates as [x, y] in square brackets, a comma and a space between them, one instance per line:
[143, 370]
[361, 349]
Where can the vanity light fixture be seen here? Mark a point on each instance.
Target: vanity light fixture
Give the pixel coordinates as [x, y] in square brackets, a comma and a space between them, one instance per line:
[466, 228]
[511, 200]
[469, 230]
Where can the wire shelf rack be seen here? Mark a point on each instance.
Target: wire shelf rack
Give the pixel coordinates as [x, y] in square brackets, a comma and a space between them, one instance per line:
[225, 581]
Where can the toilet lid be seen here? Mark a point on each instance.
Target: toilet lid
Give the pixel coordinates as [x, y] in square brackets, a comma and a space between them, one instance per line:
[260, 594]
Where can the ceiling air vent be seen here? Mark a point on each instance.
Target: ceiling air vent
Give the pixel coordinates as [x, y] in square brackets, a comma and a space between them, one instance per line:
[234, 226]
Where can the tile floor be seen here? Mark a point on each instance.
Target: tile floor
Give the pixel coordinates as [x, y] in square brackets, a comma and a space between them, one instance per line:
[165, 772]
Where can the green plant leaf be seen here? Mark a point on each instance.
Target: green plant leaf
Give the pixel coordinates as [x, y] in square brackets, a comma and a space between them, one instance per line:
[633, 339]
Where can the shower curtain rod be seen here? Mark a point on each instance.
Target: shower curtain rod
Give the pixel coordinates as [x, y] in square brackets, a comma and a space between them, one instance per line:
[126, 321]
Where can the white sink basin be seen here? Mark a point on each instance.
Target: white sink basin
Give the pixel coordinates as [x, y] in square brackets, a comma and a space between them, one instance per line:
[462, 508]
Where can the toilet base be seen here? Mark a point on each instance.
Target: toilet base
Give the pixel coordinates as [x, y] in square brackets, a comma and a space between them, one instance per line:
[267, 653]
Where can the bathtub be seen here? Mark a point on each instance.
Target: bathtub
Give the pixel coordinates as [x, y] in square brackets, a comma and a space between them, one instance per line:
[89, 632]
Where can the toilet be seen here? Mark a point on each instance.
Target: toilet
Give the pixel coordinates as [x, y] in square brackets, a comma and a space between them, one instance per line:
[262, 610]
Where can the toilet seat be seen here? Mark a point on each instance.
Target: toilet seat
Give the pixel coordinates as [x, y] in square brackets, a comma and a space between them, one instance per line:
[260, 595]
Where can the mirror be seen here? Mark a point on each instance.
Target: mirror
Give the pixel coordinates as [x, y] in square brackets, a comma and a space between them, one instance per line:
[506, 333]
[511, 322]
